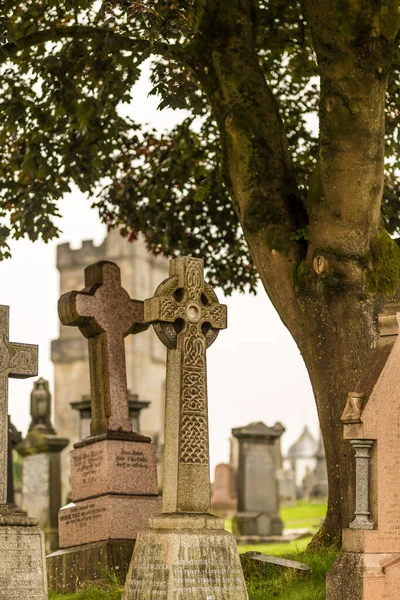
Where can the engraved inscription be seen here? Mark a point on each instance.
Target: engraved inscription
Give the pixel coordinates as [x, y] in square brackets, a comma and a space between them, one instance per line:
[21, 566]
[87, 464]
[209, 571]
[84, 516]
[150, 574]
[132, 459]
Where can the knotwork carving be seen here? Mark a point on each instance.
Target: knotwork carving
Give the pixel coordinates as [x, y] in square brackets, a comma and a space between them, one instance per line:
[187, 317]
[194, 439]
[194, 348]
[193, 391]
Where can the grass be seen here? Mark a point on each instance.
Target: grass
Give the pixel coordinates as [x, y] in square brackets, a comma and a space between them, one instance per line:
[277, 584]
[90, 593]
[287, 584]
[303, 514]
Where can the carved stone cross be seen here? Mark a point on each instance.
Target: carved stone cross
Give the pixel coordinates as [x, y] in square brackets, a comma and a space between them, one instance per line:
[18, 361]
[186, 316]
[105, 314]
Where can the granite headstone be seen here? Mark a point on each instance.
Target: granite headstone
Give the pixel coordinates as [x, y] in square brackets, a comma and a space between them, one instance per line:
[258, 497]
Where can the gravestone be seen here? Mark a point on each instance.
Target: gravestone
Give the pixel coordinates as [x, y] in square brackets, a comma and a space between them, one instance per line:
[258, 497]
[114, 487]
[41, 466]
[369, 565]
[22, 559]
[14, 437]
[287, 487]
[223, 502]
[320, 489]
[186, 554]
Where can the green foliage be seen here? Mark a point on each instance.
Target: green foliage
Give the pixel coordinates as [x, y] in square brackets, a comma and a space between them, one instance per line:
[67, 68]
[384, 275]
[287, 584]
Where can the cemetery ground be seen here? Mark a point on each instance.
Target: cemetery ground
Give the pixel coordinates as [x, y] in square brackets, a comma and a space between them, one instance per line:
[277, 584]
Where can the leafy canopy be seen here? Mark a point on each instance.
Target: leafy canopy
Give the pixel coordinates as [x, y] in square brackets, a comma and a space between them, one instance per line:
[66, 70]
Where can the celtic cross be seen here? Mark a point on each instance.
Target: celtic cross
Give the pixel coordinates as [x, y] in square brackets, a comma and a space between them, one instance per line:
[105, 314]
[187, 317]
[18, 361]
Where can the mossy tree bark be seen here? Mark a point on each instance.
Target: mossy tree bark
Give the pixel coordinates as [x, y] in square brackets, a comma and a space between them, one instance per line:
[328, 289]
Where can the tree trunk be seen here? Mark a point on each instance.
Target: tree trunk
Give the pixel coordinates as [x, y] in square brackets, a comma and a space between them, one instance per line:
[338, 333]
[328, 290]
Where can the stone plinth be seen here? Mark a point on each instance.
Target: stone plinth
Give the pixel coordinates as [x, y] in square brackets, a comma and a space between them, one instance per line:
[68, 568]
[104, 518]
[114, 483]
[113, 466]
[369, 566]
[22, 558]
[185, 558]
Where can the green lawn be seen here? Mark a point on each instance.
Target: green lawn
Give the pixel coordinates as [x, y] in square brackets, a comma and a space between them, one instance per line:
[304, 514]
[284, 584]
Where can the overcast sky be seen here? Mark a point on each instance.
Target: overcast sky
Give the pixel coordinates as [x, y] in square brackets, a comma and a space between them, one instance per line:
[255, 371]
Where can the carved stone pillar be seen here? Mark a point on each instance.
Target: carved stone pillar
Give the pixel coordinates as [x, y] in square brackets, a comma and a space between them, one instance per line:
[362, 513]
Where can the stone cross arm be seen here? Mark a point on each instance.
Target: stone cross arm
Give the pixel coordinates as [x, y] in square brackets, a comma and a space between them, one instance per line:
[17, 361]
[103, 305]
[105, 314]
[187, 317]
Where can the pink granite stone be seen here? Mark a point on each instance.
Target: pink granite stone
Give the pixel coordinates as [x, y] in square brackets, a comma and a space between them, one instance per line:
[105, 314]
[369, 566]
[113, 466]
[107, 517]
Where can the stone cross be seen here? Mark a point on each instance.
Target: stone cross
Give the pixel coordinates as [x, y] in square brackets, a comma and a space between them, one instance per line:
[105, 314]
[186, 316]
[18, 361]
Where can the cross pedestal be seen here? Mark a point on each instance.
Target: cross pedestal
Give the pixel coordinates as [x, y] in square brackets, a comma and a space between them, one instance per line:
[113, 471]
[186, 553]
[22, 560]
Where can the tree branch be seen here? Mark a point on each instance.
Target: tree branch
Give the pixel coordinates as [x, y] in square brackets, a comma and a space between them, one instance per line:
[257, 165]
[10, 50]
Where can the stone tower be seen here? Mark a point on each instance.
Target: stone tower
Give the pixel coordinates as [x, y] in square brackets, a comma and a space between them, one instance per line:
[141, 274]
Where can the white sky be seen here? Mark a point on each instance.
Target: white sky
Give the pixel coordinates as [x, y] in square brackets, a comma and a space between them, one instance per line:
[255, 371]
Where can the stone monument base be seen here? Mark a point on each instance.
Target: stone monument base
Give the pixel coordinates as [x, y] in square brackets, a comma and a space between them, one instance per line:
[257, 523]
[359, 576]
[22, 558]
[110, 517]
[69, 569]
[185, 557]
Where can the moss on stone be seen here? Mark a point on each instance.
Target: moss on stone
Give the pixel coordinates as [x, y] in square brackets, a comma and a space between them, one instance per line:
[383, 277]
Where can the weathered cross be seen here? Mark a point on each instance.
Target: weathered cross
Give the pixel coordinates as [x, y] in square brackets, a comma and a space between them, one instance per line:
[18, 361]
[186, 316]
[105, 314]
